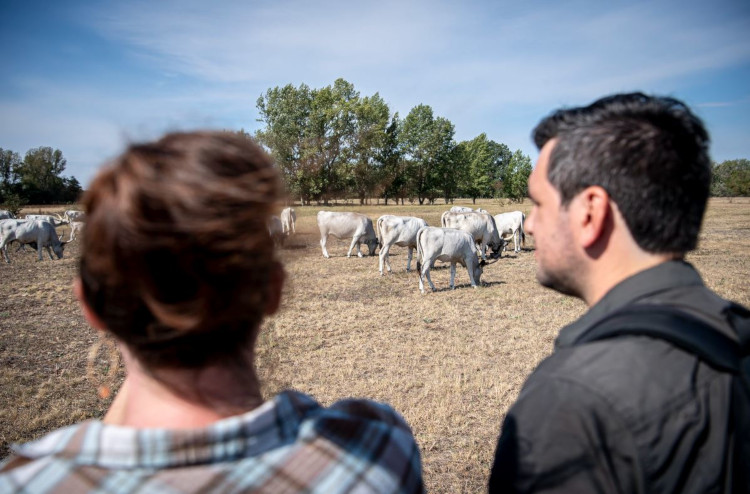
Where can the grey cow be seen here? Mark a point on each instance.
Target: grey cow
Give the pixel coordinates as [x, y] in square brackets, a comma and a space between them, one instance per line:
[447, 245]
[344, 225]
[39, 232]
[481, 226]
[398, 230]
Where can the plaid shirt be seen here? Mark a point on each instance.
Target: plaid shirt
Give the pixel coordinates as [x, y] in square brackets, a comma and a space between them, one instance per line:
[289, 444]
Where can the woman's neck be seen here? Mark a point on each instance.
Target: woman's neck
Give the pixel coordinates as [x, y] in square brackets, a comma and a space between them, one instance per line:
[182, 399]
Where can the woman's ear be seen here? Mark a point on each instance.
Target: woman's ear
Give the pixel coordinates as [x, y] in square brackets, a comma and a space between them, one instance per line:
[276, 278]
[89, 314]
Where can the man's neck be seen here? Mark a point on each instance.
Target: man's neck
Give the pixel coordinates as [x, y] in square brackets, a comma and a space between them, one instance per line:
[611, 272]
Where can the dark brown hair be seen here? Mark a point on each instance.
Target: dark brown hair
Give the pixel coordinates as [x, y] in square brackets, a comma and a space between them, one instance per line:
[649, 153]
[176, 257]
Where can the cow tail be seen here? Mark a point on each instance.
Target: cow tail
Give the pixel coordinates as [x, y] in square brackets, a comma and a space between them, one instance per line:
[420, 254]
[380, 232]
[523, 234]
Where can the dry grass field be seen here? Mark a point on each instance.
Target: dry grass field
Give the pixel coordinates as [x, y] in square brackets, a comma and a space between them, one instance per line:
[451, 362]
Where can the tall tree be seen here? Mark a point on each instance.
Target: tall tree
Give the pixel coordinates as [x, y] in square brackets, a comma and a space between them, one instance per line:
[286, 112]
[731, 178]
[9, 164]
[370, 137]
[40, 174]
[394, 176]
[486, 162]
[516, 177]
[427, 144]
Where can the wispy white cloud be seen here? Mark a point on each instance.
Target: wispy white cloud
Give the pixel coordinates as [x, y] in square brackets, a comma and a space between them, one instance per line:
[487, 66]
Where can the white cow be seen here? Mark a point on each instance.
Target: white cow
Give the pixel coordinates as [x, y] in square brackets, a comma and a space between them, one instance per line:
[481, 226]
[464, 209]
[511, 224]
[75, 227]
[398, 230]
[447, 245]
[345, 225]
[56, 220]
[74, 215]
[6, 215]
[276, 231]
[288, 219]
[39, 232]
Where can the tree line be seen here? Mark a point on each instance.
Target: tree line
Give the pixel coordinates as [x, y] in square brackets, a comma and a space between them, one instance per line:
[35, 179]
[332, 143]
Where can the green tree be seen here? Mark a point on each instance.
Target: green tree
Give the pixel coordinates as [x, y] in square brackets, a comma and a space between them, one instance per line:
[516, 177]
[393, 177]
[286, 113]
[40, 175]
[9, 164]
[486, 163]
[427, 144]
[731, 178]
[370, 138]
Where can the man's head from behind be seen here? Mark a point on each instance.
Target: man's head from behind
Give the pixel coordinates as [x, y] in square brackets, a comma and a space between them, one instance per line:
[650, 154]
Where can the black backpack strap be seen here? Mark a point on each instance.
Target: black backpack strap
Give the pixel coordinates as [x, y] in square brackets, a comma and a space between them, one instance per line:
[673, 325]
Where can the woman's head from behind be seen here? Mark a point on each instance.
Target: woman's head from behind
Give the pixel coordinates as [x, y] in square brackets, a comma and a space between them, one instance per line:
[177, 263]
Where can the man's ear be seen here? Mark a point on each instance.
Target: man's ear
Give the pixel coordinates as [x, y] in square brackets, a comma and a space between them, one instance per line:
[89, 314]
[276, 278]
[594, 211]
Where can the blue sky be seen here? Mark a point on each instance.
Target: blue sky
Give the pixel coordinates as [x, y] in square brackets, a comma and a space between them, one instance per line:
[87, 77]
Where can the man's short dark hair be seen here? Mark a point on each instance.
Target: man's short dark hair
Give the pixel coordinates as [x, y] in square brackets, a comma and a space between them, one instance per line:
[649, 153]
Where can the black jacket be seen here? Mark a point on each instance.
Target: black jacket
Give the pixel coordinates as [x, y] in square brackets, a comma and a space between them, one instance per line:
[630, 414]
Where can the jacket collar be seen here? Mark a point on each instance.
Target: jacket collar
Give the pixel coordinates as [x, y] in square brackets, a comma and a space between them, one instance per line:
[660, 278]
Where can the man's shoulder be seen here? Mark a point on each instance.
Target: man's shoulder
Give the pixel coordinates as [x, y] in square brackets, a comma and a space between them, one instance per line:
[634, 377]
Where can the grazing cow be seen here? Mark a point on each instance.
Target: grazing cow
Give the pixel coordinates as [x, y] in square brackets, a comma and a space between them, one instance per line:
[345, 225]
[288, 219]
[447, 245]
[276, 231]
[73, 215]
[39, 232]
[398, 230]
[481, 226]
[6, 215]
[511, 224]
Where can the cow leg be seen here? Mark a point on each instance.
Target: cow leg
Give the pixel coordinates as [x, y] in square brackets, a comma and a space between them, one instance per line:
[49, 252]
[471, 275]
[355, 241]
[4, 248]
[384, 258]
[408, 259]
[323, 241]
[39, 249]
[427, 275]
[515, 242]
[453, 275]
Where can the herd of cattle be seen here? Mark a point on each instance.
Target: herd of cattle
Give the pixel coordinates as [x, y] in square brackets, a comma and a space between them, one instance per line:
[463, 237]
[38, 231]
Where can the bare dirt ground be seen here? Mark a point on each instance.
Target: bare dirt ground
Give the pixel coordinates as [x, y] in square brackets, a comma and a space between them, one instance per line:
[451, 362]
